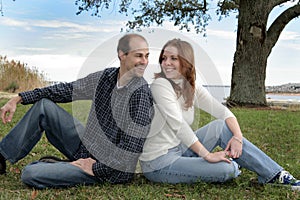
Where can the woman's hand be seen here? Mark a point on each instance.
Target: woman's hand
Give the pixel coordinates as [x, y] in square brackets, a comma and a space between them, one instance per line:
[86, 164]
[217, 157]
[234, 147]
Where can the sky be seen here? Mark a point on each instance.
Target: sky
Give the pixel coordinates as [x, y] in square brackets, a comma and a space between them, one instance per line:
[48, 35]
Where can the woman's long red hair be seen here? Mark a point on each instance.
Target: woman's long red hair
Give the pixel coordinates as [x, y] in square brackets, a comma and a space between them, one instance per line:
[187, 70]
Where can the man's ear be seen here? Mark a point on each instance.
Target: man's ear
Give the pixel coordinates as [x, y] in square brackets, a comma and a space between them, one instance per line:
[121, 54]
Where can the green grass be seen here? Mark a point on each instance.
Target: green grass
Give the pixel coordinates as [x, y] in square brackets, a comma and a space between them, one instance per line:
[274, 131]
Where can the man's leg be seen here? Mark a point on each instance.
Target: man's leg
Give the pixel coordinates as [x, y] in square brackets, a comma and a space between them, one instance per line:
[60, 127]
[55, 175]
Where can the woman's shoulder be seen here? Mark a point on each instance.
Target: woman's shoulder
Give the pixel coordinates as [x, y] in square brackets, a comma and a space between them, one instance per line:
[161, 81]
[161, 84]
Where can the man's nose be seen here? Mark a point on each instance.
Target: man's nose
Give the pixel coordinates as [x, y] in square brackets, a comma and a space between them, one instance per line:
[144, 59]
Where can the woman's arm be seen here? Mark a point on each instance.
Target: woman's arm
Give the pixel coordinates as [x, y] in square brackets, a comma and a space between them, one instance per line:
[210, 157]
[205, 101]
[235, 144]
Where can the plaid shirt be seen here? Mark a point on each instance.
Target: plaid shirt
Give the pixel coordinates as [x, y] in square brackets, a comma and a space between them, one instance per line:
[118, 122]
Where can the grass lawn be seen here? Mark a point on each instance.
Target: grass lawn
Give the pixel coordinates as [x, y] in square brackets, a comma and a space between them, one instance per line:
[274, 131]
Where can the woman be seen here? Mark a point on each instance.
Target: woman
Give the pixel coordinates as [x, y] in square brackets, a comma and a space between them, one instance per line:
[173, 153]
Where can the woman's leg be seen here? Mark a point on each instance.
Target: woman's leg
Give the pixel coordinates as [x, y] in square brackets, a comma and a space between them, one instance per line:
[217, 133]
[60, 128]
[191, 170]
[55, 175]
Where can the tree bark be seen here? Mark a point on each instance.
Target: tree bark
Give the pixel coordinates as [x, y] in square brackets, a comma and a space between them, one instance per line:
[253, 47]
[250, 59]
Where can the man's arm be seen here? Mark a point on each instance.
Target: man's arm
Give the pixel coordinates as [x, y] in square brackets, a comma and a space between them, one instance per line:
[64, 92]
[59, 93]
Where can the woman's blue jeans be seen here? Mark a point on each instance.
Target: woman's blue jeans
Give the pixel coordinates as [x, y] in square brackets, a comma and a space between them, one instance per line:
[62, 131]
[188, 167]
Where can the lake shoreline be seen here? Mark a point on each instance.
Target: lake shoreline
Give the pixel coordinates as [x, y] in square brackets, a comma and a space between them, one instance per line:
[283, 93]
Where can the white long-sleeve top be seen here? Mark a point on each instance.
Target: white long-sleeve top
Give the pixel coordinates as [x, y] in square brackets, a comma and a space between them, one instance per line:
[171, 122]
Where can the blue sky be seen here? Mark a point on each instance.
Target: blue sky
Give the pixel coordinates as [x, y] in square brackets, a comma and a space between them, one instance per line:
[50, 36]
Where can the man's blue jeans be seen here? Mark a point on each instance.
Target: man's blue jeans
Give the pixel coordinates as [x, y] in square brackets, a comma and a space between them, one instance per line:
[62, 131]
[187, 167]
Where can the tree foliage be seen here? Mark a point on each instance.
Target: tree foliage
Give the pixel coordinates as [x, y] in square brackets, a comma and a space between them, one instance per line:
[187, 14]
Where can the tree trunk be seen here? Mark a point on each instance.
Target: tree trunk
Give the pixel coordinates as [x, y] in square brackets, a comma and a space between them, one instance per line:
[250, 59]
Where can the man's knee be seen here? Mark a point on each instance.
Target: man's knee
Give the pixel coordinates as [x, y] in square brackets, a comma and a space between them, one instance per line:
[46, 106]
[46, 102]
[30, 176]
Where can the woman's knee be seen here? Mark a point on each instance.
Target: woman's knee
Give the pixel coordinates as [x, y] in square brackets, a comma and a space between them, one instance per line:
[216, 128]
[219, 123]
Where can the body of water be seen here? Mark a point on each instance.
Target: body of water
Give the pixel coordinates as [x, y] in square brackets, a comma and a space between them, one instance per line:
[222, 92]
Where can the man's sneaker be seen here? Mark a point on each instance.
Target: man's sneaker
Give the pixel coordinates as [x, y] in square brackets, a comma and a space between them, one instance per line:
[2, 165]
[287, 179]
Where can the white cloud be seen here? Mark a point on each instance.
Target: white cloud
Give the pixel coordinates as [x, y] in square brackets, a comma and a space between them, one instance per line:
[290, 35]
[222, 34]
[12, 22]
[67, 35]
[293, 46]
[103, 26]
[63, 68]
[34, 49]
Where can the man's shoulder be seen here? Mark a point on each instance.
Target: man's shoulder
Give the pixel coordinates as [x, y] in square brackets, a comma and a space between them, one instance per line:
[107, 71]
[111, 69]
[141, 84]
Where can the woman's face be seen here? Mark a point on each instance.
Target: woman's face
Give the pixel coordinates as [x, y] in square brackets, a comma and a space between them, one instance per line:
[170, 63]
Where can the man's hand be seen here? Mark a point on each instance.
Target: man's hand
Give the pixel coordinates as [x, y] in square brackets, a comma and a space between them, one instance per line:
[86, 164]
[8, 110]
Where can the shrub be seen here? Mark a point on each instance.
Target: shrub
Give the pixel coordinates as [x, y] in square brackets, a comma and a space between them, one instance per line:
[16, 76]
[13, 86]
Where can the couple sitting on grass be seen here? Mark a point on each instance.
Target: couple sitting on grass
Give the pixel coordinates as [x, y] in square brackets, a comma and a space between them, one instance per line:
[128, 121]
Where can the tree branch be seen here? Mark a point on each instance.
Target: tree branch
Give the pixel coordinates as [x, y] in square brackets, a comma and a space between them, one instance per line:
[279, 24]
[273, 4]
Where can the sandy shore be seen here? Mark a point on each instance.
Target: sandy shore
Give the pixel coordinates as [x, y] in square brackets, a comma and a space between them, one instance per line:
[285, 94]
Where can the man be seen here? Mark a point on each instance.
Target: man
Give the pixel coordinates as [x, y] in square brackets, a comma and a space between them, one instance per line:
[108, 147]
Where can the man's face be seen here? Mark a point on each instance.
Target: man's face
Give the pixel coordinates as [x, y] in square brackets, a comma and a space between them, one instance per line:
[135, 61]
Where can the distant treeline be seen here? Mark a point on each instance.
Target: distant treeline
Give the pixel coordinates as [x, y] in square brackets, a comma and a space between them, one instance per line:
[286, 88]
